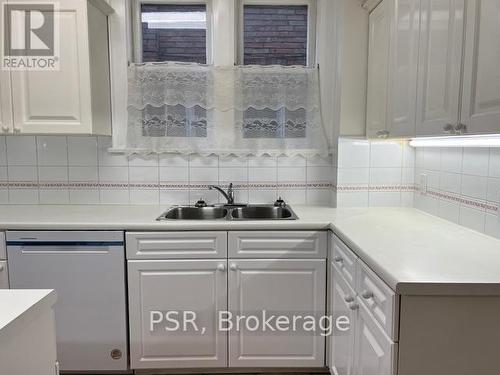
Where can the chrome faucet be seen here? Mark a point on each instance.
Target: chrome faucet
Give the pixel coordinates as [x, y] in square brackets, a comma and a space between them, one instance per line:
[229, 195]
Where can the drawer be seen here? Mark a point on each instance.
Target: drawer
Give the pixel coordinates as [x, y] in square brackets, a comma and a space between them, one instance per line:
[379, 299]
[3, 252]
[345, 260]
[277, 244]
[176, 245]
[4, 275]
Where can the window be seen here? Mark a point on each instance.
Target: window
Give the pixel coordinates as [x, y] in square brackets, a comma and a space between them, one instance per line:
[166, 31]
[277, 33]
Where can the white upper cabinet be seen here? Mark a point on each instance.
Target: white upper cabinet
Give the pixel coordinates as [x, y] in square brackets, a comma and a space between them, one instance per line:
[74, 99]
[440, 62]
[378, 68]
[5, 103]
[481, 87]
[433, 68]
[393, 60]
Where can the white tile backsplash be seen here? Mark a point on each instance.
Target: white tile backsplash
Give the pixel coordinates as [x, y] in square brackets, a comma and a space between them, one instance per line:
[476, 161]
[469, 189]
[82, 151]
[52, 150]
[375, 173]
[21, 150]
[3, 151]
[82, 170]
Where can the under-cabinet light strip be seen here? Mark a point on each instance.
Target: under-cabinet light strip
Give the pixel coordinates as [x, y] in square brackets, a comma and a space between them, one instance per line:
[458, 141]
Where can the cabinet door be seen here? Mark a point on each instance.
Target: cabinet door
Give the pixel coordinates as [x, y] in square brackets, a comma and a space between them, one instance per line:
[58, 101]
[378, 67]
[403, 69]
[5, 102]
[341, 342]
[161, 286]
[440, 62]
[4, 275]
[481, 93]
[374, 353]
[278, 288]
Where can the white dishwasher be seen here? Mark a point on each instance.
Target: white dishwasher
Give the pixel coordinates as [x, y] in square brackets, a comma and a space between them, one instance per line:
[87, 270]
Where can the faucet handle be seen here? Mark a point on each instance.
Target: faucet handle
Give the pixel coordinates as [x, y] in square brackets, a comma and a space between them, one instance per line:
[201, 203]
[280, 202]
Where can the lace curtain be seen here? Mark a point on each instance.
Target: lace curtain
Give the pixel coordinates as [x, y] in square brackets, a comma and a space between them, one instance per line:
[251, 110]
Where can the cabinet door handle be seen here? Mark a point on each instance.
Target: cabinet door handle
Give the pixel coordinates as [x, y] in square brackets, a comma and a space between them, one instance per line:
[367, 294]
[5, 129]
[353, 306]
[338, 260]
[448, 129]
[221, 267]
[383, 133]
[460, 129]
[233, 266]
[349, 299]
[17, 130]
[2, 267]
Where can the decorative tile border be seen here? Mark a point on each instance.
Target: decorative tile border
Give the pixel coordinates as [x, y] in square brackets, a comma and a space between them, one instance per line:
[375, 188]
[478, 204]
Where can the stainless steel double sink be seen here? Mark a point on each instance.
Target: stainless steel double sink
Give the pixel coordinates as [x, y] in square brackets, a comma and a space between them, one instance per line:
[230, 212]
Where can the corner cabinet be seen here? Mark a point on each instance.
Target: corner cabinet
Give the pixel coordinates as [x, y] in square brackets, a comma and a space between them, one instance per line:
[369, 344]
[433, 68]
[76, 97]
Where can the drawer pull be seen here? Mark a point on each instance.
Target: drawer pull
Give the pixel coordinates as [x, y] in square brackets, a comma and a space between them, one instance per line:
[338, 260]
[353, 306]
[2, 267]
[234, 267]
[367, 295]
[349, 299]
[221, 267]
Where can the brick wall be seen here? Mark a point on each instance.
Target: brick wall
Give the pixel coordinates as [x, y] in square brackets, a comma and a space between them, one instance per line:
[275, 35]
[173, 44]
[272, 35]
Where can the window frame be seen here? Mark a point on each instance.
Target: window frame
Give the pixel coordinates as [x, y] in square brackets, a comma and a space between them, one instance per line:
[137, 25]
[311, 26]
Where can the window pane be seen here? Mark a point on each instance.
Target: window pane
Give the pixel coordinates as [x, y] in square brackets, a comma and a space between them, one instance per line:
[174, 32]
[275, 35]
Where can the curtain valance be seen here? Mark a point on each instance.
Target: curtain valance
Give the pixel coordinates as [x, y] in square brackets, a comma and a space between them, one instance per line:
[248, 110]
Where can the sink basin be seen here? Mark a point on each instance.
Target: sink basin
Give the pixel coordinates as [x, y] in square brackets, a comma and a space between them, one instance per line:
[229, 212]
[263, 213]
[194, 213]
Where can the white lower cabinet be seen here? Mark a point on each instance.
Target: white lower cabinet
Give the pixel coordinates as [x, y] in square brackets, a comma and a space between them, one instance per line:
[370, 346]
[292, 287]
[374, 352]
[157, 287]
[229, 297]
[342, 300]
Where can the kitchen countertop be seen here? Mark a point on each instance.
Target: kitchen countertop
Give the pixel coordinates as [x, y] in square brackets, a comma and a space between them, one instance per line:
[413, 252]
[19, 307]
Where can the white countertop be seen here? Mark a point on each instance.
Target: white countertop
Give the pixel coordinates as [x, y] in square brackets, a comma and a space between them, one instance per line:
[413, 252]
[19, 306]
